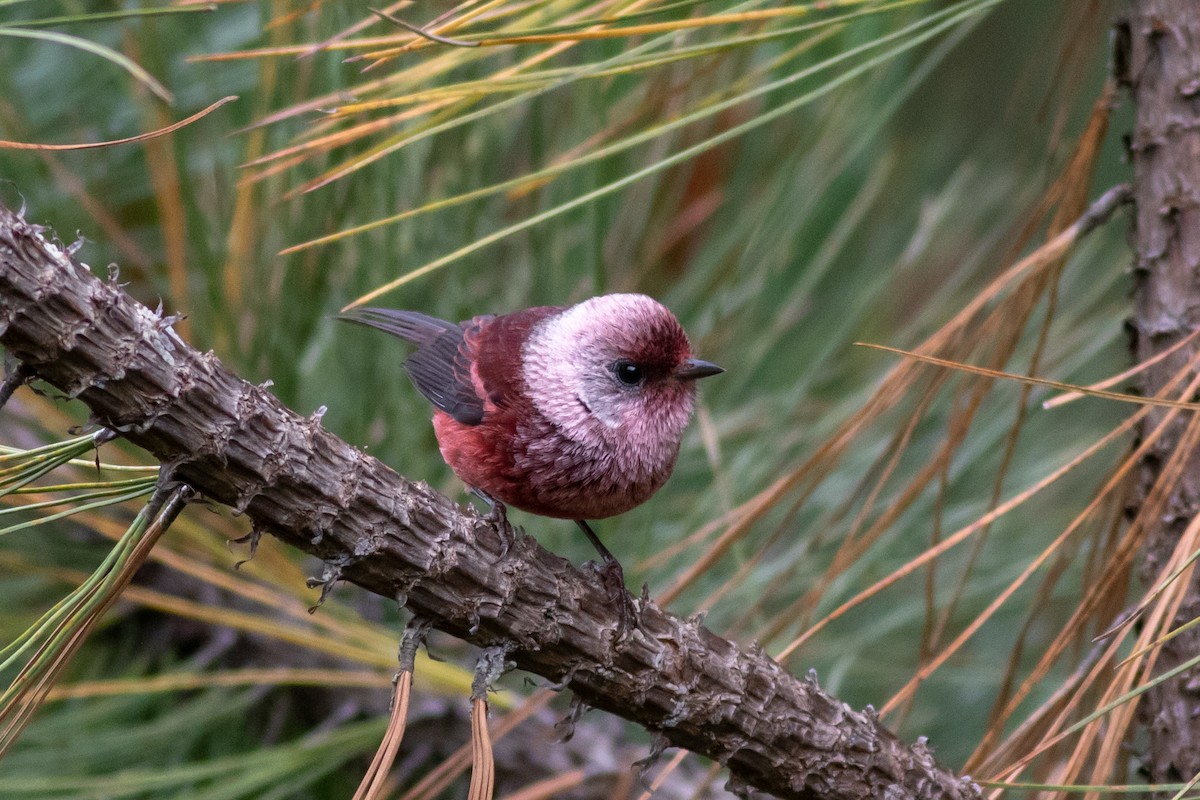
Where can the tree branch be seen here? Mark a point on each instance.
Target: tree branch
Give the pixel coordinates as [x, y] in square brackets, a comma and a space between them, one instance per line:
[1156, 58]
[240, 446]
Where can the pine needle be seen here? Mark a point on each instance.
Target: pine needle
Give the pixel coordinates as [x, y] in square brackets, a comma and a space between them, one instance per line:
[59, 636]
[1158, 402]
[483, 765]
[142, 137]
[372, 785]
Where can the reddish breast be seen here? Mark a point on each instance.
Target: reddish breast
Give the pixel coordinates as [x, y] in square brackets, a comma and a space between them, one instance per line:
[482, 455]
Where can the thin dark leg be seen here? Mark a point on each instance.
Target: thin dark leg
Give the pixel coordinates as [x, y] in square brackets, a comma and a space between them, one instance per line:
[608, 557]
[498, 516]
[613, 577]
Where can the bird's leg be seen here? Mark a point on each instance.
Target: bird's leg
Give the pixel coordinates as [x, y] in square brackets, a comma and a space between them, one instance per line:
[613, 577]
[498, 516]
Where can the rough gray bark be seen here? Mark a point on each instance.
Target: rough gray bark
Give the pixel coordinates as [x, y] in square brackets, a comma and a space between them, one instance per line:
[1158, 58]
[237, 444]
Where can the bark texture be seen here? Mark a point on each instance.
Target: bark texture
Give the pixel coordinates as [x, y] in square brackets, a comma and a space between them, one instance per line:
[1158, 58]
[240, 446]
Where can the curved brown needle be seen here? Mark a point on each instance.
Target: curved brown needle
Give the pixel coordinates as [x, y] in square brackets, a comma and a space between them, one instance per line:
[141, 137]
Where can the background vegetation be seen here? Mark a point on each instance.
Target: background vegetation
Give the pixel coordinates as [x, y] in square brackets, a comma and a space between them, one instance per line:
[790, 179]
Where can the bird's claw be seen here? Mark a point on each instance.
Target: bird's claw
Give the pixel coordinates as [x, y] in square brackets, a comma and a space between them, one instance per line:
[498, 515]
[612, 577]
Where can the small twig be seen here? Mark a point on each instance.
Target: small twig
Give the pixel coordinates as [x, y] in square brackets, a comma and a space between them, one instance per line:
[19, 376]
[1103, 208]
[493, 662]
[166, 504]
[408, 26]
[414, 636]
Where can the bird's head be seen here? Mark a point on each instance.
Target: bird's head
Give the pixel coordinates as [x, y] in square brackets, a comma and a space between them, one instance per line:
[615, 368]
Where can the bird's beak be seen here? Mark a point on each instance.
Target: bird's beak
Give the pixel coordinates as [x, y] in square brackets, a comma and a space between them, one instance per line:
[694, 368]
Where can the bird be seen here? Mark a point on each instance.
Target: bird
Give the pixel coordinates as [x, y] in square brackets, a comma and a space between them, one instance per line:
[572, 412]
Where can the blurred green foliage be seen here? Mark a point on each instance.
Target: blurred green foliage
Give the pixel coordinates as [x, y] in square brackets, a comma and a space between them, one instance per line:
[872, 213]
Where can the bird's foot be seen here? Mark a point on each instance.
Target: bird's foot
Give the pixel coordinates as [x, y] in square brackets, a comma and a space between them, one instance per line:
[498, 516]
[612, 578]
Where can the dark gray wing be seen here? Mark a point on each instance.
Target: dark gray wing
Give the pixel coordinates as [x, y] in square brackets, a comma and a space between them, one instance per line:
[441, 366]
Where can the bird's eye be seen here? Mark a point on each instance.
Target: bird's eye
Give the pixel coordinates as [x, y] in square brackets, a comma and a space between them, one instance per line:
[628, 373]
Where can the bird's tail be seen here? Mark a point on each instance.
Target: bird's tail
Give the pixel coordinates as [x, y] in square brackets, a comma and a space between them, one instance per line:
[411, 326]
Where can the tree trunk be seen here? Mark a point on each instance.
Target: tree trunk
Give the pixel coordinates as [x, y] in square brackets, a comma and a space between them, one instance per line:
[237, 444]
[1158, 58]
